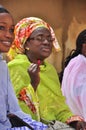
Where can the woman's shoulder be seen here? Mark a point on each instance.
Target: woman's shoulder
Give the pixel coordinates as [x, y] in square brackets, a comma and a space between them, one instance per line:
[76, 61]
[50, 67]
[19, 60]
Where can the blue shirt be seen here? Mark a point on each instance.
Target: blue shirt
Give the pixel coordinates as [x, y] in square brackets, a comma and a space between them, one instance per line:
[9, 103]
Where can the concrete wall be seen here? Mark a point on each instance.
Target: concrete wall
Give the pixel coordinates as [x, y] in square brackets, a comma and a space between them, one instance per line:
[67, 17]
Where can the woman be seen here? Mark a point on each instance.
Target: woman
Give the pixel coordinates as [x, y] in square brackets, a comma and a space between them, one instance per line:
[8, 102]
[74, 77]
[35, 81]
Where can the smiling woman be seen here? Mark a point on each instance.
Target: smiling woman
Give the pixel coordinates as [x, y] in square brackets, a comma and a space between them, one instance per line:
[9, 108]
[6, 31]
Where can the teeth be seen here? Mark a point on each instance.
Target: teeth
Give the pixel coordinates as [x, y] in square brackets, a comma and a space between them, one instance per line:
[7, 43]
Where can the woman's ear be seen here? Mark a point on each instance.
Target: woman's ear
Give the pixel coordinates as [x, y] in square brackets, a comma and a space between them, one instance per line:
[26, 47]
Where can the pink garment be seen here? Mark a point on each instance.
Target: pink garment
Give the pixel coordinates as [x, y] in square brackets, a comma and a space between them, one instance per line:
[74, 85]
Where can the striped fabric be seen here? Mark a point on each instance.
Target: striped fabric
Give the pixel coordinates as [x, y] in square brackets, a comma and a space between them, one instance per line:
[35, 125]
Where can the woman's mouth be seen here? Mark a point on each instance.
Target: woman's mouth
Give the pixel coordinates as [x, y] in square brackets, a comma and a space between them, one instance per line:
[46, 49]
[7, 43]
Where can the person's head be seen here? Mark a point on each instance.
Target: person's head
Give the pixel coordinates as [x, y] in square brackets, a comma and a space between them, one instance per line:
[80, 47]
[35, 38]
[6, 30]
[81, 43]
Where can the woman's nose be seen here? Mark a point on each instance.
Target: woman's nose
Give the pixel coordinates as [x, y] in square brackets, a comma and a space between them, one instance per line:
[46, 41]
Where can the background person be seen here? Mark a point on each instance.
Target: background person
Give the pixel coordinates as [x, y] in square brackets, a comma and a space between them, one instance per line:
[74, 77]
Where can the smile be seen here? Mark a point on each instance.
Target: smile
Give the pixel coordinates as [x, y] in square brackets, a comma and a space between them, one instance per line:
[6, 43]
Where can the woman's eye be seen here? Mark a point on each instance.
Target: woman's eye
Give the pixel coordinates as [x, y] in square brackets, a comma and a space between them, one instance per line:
[39, 37]
[2, 28]
[12, 30]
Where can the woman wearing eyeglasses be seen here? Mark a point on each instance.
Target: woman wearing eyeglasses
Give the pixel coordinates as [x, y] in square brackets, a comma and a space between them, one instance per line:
[35, 81]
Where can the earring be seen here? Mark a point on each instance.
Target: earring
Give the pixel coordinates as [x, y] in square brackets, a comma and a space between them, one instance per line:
[27, 48]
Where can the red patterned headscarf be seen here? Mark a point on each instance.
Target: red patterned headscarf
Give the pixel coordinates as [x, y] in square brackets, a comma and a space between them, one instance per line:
[25, 27]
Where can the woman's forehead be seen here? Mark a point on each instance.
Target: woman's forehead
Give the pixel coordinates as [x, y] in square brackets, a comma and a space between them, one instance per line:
[41, 30]
[6, 18]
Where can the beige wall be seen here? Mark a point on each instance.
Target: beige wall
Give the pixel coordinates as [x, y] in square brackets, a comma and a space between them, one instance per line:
[67, 17]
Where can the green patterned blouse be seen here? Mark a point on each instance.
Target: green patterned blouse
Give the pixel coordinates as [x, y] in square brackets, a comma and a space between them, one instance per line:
[47, 103]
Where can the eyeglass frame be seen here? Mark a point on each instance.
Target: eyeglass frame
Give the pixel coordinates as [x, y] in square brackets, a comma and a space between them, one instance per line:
[41, 38]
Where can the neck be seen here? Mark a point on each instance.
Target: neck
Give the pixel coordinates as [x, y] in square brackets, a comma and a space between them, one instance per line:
[36, 61]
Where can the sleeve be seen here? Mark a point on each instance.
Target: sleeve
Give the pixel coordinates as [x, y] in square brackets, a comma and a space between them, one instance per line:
[19, 77]
[63, 113]
[13, 105]
[62, 110]
[52, 102]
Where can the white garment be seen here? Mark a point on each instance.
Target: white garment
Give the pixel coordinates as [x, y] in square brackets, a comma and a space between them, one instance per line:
[74, 85]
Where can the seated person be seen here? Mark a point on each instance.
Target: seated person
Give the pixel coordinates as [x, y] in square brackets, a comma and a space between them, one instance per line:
[35, 81]
[8, 101]
[74, 77]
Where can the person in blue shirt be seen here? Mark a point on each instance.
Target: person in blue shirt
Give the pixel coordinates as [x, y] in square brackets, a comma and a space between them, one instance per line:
[8, 101]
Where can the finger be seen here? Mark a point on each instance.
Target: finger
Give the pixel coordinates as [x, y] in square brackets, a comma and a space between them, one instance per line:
[33, 67]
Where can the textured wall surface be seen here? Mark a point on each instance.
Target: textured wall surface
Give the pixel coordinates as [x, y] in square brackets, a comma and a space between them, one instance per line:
[65, 16]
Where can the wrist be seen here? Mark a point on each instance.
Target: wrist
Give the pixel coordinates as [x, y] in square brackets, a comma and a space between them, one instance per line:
[72, 121]
[74, 118]
[34, 85]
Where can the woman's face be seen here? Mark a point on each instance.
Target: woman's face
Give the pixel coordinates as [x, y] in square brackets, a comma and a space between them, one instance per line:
[6, 31]
[40, 44]
[84, 49]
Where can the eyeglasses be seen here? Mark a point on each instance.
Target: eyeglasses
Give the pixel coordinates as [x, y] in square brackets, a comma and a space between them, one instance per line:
[42, 39]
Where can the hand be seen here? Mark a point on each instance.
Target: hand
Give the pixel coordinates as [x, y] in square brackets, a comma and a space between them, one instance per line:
[81, 125]
[78, 125]
[34, 75]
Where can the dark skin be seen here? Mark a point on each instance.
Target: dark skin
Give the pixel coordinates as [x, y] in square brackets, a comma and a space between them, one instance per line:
[37, 53]
[6, 32]
[39, 49]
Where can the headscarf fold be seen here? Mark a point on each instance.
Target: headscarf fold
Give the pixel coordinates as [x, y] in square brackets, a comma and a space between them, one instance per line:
[24, 29]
